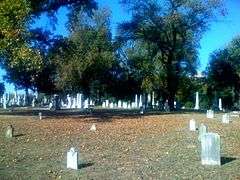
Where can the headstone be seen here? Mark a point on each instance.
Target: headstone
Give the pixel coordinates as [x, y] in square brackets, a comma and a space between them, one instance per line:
[166, 106]
[210, 149]
[125, 105]
[141, 110]
[201, 131]
[197, 101]
[220, 104]
[210, 114]
[9, 131]
[69, 101]
[107, 103]
[93, 127]
[40, 115]
[24, 100]
[4, 101]
[79, 100]
[226, 118]
[85, 103]
[153, 99]
[136, 101]
[192, 125]
[140, 101]
[111, 105]
[119, 104]
[103, 104]
[33, 101]
[72, 159]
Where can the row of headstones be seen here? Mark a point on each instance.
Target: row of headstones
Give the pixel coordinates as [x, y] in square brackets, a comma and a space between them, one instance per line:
[225, 117]
[6, 100]
[210, 144]
[197, 106]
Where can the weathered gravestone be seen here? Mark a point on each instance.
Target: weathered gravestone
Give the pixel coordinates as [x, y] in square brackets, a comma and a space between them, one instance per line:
[210, 114]
[210, 149]
[9, 131]
[226, 118]
[201, 131]
[192, 125]
[72, 159]
[40, 115]
[93, 127]
[197, 101]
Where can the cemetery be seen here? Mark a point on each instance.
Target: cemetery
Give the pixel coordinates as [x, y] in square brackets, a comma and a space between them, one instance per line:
[117, 143]
[120, 89]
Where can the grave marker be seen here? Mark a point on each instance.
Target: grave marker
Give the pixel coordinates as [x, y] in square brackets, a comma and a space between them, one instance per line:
[210, 149]
[9, 132]
[72, 159]
[210, 114]
[192, 125]
[226, 118]
[201, 131]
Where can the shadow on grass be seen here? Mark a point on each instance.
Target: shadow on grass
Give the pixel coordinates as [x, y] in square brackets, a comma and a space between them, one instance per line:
[96, 114]
[19, 135]
[85, 165]
[225, 160]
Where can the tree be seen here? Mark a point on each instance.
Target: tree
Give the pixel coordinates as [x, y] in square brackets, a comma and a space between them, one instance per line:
[22, 49]
[85, 58]
[223, 74]
[174, 27]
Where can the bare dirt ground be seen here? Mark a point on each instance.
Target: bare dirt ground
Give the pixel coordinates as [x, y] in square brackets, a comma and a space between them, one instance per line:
[123, 147]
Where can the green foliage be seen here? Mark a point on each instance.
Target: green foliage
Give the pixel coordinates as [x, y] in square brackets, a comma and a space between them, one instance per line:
[171, 29]
[85, 58]
[223, 74]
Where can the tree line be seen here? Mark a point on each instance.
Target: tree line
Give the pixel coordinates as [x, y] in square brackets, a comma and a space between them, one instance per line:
[155, 51]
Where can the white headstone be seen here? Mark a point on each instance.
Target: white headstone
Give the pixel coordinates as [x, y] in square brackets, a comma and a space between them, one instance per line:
[79, 100]
[33, 101]
[119, 104]
[107, 103]
[103, 104]
[72, 159]
[197, 101]
[153, 99]
[136, 102]
[226, 118]
[69, 101]
[93, 127]
[140, 101]
[111, 105]
[210, 149]
[9, 132]
[86, 104]
[192, 125]
[4, 101]
[220, 104]
[125, 105]
[40, 116]
[201, 131]
[210, 114]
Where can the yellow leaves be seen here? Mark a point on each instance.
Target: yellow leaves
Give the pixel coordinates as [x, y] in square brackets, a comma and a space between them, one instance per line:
[26, 58]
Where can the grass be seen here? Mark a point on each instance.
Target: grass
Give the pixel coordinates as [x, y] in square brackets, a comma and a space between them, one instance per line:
[123, 147]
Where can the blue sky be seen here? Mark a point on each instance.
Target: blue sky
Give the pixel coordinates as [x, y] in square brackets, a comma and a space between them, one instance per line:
[219, 34]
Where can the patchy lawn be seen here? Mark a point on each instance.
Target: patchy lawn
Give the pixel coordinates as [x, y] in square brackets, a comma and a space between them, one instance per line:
[123, 147]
